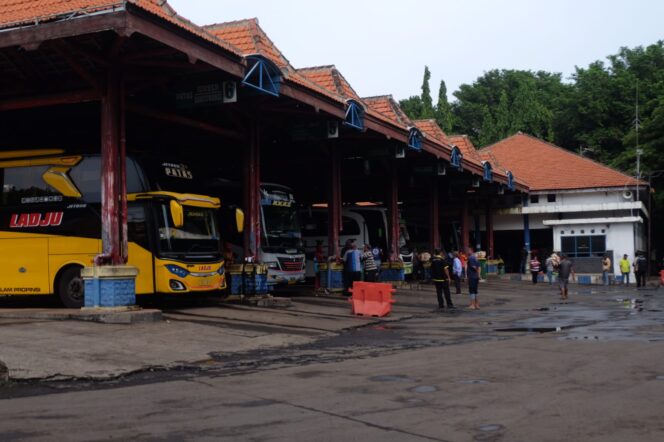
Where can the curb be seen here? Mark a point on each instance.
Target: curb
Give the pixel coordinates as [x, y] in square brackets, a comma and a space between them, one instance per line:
[114, 317]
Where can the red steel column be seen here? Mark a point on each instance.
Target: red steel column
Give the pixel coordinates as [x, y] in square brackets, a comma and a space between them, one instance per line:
[489, 229]
[334, 225]
[251, 185]
[124, 245]
[434, 216]
[111, 177]
[465, 226]
[393, 209]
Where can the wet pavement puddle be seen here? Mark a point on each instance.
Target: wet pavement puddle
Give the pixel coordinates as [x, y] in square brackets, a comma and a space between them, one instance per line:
[391, 378]
[423, 389]
[491, 427]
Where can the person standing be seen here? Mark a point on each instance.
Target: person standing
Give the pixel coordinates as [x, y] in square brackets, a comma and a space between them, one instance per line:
[624, 269]
[535, 268]
[606, 269]
[377, 256]
[565, 269]
[464, 265]
[440, 275]
[457, 271]
[548, 264]
[473, 275]
[640, 270]
[352, 266]
[370, 268]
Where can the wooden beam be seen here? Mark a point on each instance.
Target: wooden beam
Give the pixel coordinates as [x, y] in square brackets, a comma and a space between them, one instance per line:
[35, 34]
[50, 100]
[214, 56]
[64, 50]
[309, 98]
[184, 121]
[143, 55]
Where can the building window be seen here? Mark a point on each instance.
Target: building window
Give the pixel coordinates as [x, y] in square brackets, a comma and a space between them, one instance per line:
[551, 198]
[534, 199]
[583, 246]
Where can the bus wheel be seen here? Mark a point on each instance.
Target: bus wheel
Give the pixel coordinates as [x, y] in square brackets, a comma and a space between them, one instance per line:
[70, 288]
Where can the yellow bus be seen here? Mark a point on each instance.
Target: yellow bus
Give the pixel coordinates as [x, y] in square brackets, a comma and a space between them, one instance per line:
[50, 226]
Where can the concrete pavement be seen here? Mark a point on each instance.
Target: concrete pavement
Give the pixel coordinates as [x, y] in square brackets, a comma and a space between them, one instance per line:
[526, 367]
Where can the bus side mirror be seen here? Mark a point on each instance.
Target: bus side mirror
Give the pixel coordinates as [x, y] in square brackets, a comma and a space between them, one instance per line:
[239, 220]
[177, 213]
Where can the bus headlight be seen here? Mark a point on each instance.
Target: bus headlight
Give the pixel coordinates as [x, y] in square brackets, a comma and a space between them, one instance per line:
[221, 270]
[177, 270]
[272, 265]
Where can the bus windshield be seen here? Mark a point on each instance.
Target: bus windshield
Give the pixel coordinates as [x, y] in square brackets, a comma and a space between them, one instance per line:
[199, 235]
[282, 228]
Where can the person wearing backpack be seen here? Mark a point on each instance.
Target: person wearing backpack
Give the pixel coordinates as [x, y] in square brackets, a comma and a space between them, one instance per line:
[641, 270]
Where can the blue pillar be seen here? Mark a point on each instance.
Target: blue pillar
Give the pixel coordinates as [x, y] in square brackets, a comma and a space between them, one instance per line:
[526, 226]
[526, 232]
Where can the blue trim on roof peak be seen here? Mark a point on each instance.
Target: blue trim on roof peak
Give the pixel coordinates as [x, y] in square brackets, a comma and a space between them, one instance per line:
[415, 138]
[456, 158]
[354, 115]
[262, 75]
[488, 171]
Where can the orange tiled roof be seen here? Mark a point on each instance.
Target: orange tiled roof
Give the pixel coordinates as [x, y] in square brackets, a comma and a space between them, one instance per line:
[432, 130]
[467, 149]
[545, 166]
[331, 79]
[249, 38]
[15, 13]
[389, 108]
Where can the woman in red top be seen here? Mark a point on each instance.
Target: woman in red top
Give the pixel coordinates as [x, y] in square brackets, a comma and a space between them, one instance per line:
[535, 268]
[464, 265]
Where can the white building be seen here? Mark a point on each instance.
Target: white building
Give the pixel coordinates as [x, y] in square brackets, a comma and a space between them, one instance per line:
[575, 206]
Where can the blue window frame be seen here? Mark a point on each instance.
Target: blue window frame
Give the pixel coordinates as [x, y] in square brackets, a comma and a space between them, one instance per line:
[415, 139]
[510, 180]
[262, 75]
[456, 158]
[583, 246]
[354, 115]
[488, 171]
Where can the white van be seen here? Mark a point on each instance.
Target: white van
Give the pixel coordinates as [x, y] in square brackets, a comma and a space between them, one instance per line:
[360, 224]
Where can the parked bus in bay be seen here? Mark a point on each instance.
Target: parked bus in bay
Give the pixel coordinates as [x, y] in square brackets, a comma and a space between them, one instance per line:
[361, 224]
[281, 248]
[50, 226]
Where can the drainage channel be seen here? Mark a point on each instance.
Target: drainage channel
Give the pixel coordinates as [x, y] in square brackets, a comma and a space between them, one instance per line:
[536, 329]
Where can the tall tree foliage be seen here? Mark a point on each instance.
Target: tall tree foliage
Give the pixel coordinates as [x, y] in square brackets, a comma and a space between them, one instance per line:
[443, 110]
[502, 102]
[594, 111]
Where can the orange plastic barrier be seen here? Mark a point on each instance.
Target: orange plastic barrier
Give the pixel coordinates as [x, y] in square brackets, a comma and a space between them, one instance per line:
[371, 298]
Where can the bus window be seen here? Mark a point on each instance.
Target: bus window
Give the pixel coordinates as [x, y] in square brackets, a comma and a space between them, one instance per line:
[198, 234]
[86, 177]
[136, 225]
[24, 185]
[350, 226]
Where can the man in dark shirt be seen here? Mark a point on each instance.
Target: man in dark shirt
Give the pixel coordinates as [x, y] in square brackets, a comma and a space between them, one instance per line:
[440, 275]
[473, 273]
[565, 269]
[641, 269]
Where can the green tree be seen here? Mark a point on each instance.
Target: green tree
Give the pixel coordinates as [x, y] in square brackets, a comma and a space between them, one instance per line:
[413, 107]
[427, 102]
[509, 101]
[443, 110]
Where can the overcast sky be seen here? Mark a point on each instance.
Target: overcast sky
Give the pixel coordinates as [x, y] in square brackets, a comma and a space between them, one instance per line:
[381, 46]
